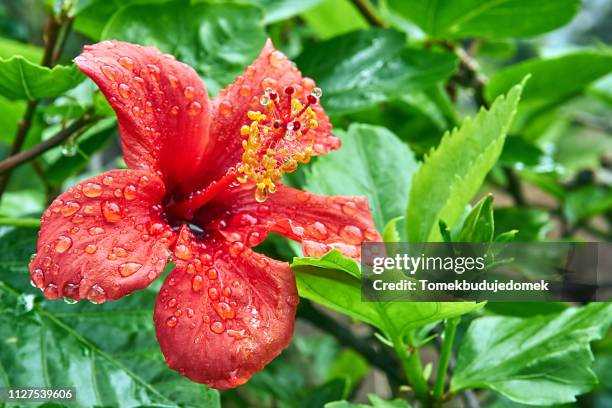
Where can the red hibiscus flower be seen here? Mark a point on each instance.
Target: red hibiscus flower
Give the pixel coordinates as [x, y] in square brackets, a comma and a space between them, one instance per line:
[202, 189]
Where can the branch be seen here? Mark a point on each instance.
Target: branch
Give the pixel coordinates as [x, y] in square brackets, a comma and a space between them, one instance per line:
[7, 165]
[367, 11]
[345, 336]
[51, 52]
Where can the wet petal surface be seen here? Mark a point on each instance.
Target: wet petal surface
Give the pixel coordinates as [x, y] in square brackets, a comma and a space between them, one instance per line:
[162, 107]
[320, 223]
[103, 238]
[224, 312]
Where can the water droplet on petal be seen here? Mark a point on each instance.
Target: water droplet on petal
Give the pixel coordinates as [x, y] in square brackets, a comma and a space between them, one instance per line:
[174, 110]
[154, 71]
[189, 92]
[308, 84]
[126, 62]
[63, 244]
[70, 208]
[111, 211]
[371, 234]
[173, 80]
[236, 249]
[197, 283]
[351, 234]
[217, 327]
[194, 108]
[183, 252]
[224, 310]
[70, 291]
[269, 84]
[38, 277]
[261, 194]
[92, 190]
[95, 231]
[316, 92]
[96, 294]
[172, 321]
[245, 90]
[51, 291]
[212, 274]
[129, 268]
[213, 293]
[264, 100]
[91, 249]
[129, 192]
[276, 59]
[124, 91]
[349, 208]
[109, 72]
[225, 108]
[317, 230]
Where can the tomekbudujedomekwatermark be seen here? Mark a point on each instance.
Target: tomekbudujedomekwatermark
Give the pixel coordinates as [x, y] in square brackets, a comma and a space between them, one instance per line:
[504, 272]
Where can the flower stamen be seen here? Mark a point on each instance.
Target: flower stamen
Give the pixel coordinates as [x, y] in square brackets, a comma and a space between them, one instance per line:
[277, 139]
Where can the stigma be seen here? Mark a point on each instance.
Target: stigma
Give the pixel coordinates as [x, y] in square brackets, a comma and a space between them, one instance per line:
[279, 137]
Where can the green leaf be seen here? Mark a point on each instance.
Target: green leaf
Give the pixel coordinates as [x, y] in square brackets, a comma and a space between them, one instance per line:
[10, 48]
[21, 79]
[390, 232]
[542, 360]
[372, 162]
[334, 17]
[532, 223]
[453, 173]
[277, 10]
[216, 40]
[333, 281]
[10, 115]
[92, 15]
[108, 352]
[479, 224]
[22, 203]
[553, 78]
[350, 366]
[495, 19]
[375, 400]
[586, 202]
[362, 68]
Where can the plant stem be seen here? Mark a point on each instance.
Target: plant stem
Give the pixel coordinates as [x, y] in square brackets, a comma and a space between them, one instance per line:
[450, 328]
[367, 11]
[411, 362]
[13, 161]
[344, 335]
[20, 222]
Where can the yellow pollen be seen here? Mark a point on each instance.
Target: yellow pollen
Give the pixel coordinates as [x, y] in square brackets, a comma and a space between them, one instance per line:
[276, 141]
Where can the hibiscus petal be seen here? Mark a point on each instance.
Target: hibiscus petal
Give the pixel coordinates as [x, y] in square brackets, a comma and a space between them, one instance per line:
[161, 104]
[224, 312]
[273, 70]
[103, 239]
[320, 223]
